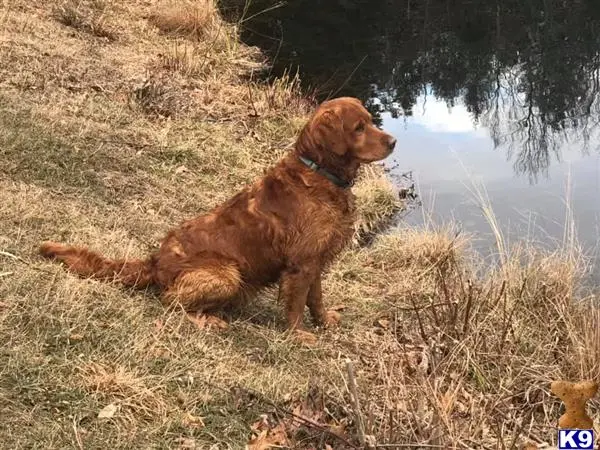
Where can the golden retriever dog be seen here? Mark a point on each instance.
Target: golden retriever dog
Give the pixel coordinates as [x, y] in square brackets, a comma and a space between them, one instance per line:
[286, 227]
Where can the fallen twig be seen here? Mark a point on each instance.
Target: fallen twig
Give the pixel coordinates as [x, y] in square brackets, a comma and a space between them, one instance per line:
[77, 435]
[352, 386]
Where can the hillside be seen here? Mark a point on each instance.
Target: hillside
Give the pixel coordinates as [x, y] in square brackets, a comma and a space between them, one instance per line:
[119, 119]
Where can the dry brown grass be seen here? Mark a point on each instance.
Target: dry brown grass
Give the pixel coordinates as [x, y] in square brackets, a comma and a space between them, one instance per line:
[197, 19]
[103, 143]
[86, 16]
[464, 360]
[159, 97]
[377, 204]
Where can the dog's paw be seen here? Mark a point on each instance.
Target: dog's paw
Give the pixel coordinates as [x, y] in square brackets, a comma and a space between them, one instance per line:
[205, 321]
[305, 337]
[332, 319]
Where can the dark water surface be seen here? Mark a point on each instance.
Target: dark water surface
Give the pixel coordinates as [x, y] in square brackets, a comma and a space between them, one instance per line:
[498, 97]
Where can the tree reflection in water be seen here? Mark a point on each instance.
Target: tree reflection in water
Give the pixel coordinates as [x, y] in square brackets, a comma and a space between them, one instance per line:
[528, 70]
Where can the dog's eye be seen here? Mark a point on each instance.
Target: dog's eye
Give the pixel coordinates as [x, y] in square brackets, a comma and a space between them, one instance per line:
[360, 127]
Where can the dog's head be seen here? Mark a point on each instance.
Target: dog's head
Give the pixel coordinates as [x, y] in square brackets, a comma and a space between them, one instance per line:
[344, 128]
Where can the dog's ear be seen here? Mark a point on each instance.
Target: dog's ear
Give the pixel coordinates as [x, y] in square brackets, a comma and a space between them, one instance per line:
[328, 130]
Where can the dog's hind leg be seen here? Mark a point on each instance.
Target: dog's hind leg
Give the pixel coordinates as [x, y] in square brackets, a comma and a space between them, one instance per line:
[211, 286]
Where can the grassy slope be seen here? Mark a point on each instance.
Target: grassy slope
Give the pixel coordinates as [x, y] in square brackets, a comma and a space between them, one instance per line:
[110, 133]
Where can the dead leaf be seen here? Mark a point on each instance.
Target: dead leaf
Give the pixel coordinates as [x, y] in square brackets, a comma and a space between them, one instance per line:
[262, 424]
[267, 439]
[76, 337]
[259, 442]
[158, 324]
[187, 443]
[189, 420]
[160, 352]
[447, 401]
[383, 323]
[180, 170]
[297, 411]
[338, 429]
[279, 435]
[307, 413]
[339, 307]
[108, 411]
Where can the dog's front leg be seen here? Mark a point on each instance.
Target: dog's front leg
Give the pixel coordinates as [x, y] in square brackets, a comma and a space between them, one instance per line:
[317, 309]
[293, 292]
[315, 301]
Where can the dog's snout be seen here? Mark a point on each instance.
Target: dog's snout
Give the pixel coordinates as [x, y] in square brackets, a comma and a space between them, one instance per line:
[392, 142]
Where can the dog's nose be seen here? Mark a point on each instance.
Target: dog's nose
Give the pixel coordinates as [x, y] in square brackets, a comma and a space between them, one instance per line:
[392, 143]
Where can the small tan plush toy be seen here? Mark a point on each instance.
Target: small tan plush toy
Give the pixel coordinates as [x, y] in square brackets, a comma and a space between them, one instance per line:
[575, 396]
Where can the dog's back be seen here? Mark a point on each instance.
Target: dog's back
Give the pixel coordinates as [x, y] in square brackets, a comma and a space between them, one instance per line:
[264, 227]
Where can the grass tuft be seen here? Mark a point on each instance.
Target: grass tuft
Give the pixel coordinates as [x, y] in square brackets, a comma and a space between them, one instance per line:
[157, 97]
[183, 59]
[195, 20]
[86, 16]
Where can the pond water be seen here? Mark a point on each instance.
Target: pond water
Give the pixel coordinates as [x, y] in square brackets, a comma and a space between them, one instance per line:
[493, 102]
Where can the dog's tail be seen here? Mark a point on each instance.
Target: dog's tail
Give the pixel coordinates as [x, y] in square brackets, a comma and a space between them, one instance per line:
[133, 272]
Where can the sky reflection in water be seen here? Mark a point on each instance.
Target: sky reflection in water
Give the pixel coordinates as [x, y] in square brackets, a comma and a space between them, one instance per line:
[451, 157]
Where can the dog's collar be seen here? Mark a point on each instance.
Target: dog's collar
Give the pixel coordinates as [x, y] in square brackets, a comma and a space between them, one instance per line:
[322, 171]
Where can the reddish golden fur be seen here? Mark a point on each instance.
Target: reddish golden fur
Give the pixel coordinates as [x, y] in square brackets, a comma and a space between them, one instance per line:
[285, 227]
